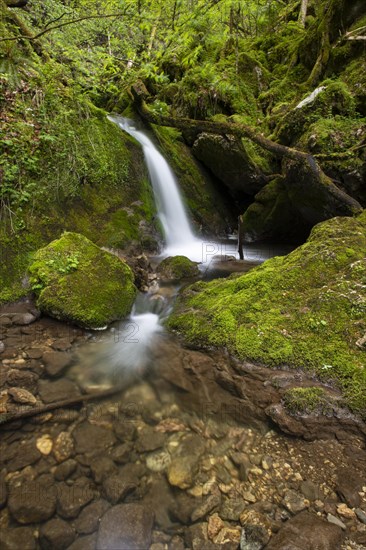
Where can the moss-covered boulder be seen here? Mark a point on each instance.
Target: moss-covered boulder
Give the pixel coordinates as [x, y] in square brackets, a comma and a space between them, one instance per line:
[273, 217]
[306, 309]
[227, 159]
[176, 268]
[75, 280]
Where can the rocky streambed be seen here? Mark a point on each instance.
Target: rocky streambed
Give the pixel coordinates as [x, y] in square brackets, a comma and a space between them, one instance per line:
[189, 455]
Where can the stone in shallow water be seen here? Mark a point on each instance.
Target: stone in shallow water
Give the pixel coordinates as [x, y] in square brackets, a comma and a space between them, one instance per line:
[158, 461]
[57, 391]
[90, 438]
[307, 532]
[56, 362]
[149, 440]
[63, 446]
[90, 516]
[32, 502]
[44, 444]
[56, 533]
[349, 483]
[126, 527]
[294, 502]
[21, 395]
[72, 498]
[21, 538]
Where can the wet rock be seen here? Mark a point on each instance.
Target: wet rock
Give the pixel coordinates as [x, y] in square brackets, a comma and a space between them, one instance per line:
[2, 346]
[65, 470]
[160, 499]
[56, 362]
[90, 438]
[349, 483]
[294, 502]
[336, 521]
[25, 318]
[345, 512]
[253, 537]
[56, 534]
[3, 490]
[84, 543]
[176, 543]
[72, 498]
[32, 501]
[232, 509]
[124, 430]
[185, 462]
[183, 508]
[24, 454]
[177, 268]
[229, 538]
[102, 467]
[361, 515]
[59, 390]
[206, 507]
[23, 379]
[306, 531]
[118, 486]
[63, 447]
[196, 533]
[44, 444]
[311, 490]
[249, 497]
[158, 461]
[21, 395]
[89, 518]
[18, 538]
[62, 344]
[121, 453]
[34, 353]
[126, 527]
[149, 440]
[214, 526]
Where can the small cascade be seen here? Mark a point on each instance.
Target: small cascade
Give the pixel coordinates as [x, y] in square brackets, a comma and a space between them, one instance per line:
[178, 233]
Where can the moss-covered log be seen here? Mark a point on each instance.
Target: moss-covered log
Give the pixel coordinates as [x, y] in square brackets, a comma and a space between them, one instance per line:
[301, 161]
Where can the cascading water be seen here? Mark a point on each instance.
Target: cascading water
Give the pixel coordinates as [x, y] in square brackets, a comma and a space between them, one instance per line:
[178, 233]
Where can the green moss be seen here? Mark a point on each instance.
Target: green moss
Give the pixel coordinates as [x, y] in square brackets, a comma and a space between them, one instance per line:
[177, 267]
[305, 400]
[307, 309]
[76, 281]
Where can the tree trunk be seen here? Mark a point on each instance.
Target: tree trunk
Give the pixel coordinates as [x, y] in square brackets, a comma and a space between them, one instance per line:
[303, 12]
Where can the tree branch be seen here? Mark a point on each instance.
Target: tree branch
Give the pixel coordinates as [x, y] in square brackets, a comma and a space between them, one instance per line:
[49, 29]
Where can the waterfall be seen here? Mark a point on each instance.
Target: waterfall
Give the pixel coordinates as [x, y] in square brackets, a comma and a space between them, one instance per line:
[178, 233]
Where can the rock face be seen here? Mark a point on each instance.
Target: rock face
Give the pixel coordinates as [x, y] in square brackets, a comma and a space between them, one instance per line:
[176, 268]
[227, 159]
[77, 281]
[126, 527]
[305, 532]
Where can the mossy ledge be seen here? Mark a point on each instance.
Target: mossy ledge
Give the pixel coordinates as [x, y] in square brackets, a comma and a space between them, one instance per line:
[75, 280]
[177, 267]
[304, 310]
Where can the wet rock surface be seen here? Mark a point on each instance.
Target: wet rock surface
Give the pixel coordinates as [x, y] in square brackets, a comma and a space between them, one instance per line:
[183, 458]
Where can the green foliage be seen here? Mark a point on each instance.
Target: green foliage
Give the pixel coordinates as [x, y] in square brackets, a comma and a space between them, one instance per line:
[305, 400]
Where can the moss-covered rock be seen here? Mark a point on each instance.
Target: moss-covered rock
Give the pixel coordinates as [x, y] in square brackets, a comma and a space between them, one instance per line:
[307, 309]
[227, 159]
[74, 280]
[272, 216]
[305, 400]
[177, 267]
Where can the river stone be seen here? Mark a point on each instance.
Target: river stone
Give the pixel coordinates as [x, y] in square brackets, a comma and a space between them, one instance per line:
[176, 268]
[184, 463]
[60, 390]
[2, 346]
[102, 467]
[34, 353]
[84, 543]
[90, 438]
[232, 509]
[121, 453]
[336, 521]
[253, 537]
[24, 318]
[306, 531]
[126, 527]
[149, 440]
[158, 461]
[56, 533]
[89, 518]
[118, 486]
[24, 454]
[3, 490]
[64, 470]
[349, 483]
[56, 362]
[63, 447]
[72, 498]
[311, 490]
[294, 502]
[18, 538]
[21, 395]
[32, 502]
[213, 501]
[125, 431]
[81, 283]
[361, 515]
[23, 379]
